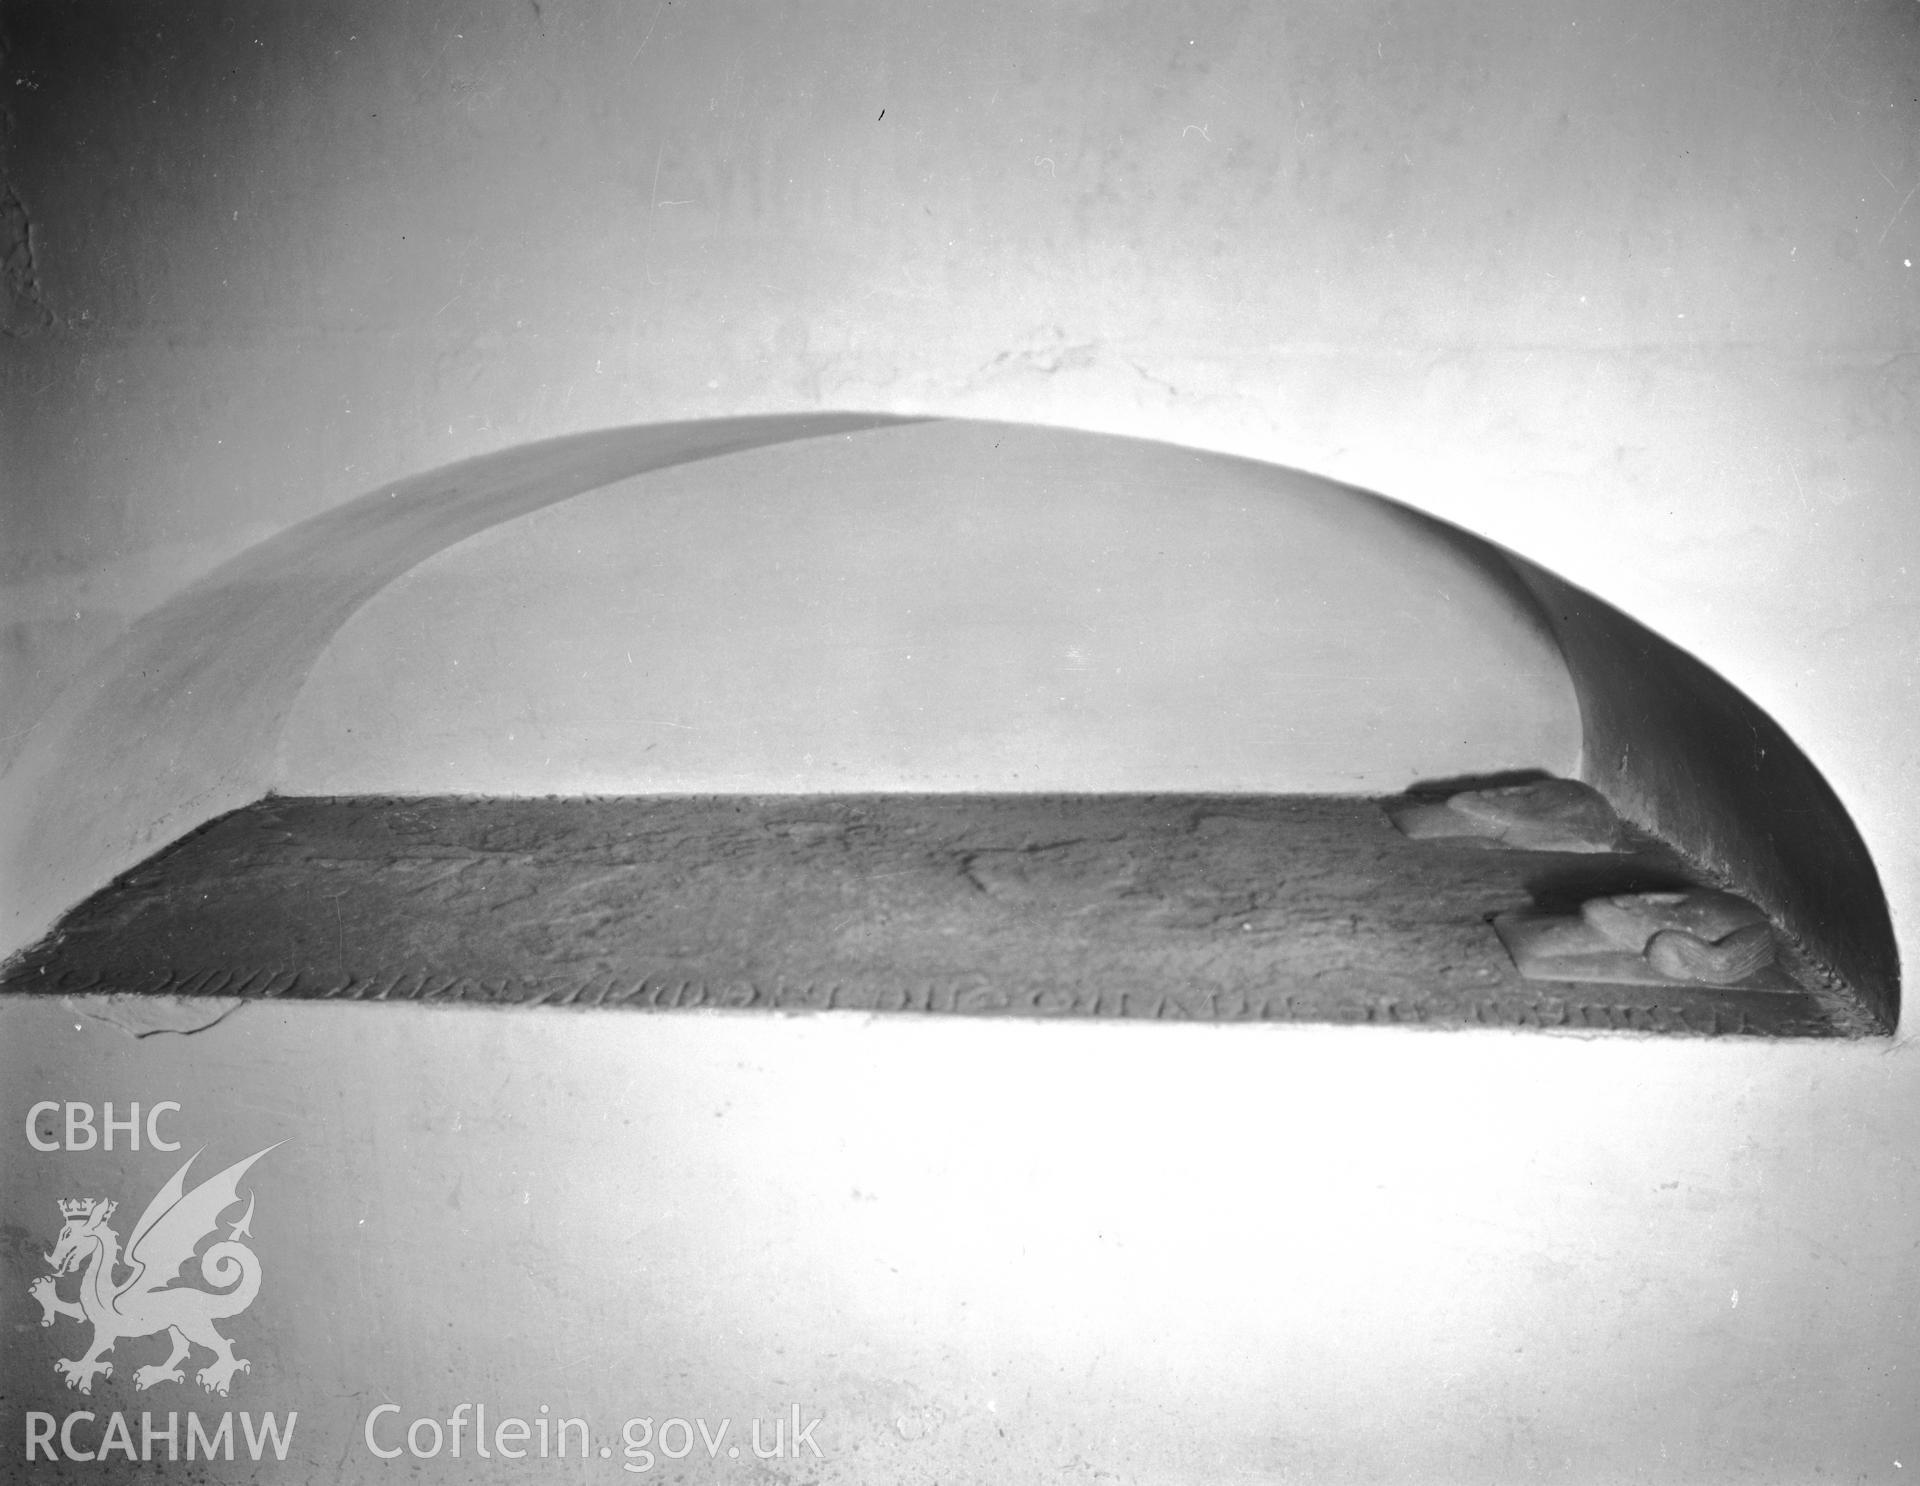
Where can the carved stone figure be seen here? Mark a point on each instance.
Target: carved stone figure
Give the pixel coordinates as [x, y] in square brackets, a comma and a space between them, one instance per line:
[1701, 937]
[1546, 815]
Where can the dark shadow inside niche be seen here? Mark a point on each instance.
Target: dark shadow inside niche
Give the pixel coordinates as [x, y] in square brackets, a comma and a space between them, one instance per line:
[1687, 757]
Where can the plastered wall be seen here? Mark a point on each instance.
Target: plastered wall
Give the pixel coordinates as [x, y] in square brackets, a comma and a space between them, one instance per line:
[1626, 289]
[981, 1251]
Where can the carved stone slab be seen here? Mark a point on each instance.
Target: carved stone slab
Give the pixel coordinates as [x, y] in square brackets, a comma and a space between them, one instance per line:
[1198, 908]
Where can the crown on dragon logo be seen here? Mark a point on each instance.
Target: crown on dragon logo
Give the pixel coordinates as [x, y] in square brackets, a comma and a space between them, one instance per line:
[170, 1235]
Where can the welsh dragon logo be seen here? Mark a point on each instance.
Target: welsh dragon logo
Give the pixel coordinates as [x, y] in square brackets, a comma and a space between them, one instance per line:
[147, 1300]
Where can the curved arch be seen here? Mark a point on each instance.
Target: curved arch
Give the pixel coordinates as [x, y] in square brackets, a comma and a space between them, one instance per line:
[950, 606]
[181, 721]
[1679, 750]
[176, 723]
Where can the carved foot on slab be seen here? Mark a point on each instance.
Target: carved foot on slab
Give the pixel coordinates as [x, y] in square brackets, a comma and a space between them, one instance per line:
[1549, 815]
[1701, 937]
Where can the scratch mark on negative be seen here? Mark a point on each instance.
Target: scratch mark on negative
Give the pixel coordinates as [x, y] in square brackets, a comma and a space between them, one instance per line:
[649, 36]
[653, 201]
[1896, 213]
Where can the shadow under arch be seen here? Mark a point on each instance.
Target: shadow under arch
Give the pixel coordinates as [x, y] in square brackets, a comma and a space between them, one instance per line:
[179, 722]
[1678, 749]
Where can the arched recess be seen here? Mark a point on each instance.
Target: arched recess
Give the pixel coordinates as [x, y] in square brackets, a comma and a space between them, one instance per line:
[947, 606]
[177, 723]
[1678, 750]
[1276, 632]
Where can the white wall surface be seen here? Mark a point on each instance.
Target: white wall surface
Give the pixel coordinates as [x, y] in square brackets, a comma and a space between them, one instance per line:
[1625, 290]
[987, 1251]
[939, 607]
